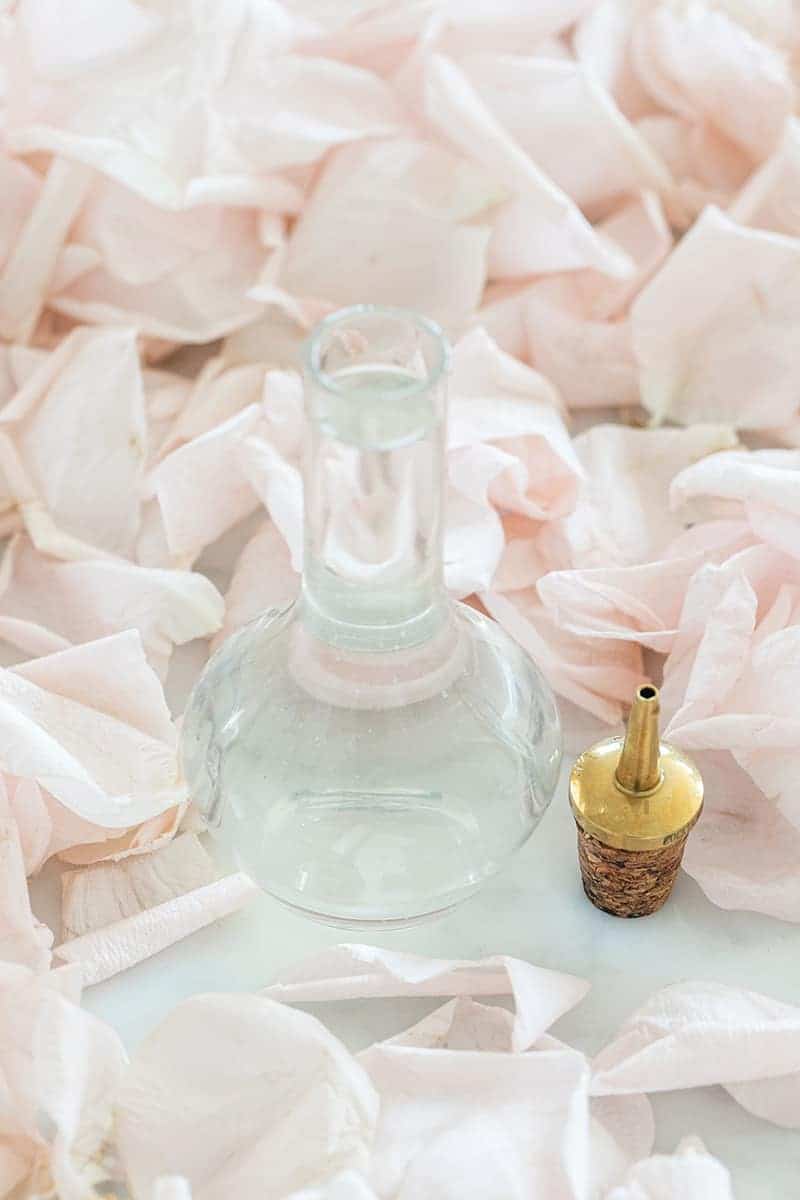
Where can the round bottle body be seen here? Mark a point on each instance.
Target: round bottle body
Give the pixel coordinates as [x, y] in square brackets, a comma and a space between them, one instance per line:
[368, 789]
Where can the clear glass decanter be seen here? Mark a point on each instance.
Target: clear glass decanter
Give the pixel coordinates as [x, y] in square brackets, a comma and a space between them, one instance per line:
[373, 753]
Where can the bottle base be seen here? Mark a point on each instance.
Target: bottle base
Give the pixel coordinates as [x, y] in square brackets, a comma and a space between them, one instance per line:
[366, 923]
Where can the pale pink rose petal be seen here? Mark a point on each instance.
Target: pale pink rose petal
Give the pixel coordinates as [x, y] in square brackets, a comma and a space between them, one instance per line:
[72, 446]
[22, 939]
[703, 64]
[91, 727]
[29, 267]
[292, 110]
[172, 275]
[485, 1125]
[279, 485]
[97, 896]
[602, 43]
[359, 972]
[20, 189]
[622, 516]
[714, 331]
[407, 218]
[81, 601]
[498, 401]
[29, 809]
[217, 394]
[691, 1173]
[291, 1111]
[598, 674]
[160, 130]
[731, 679]
[621, 1128]
[201, 489]
[591, 362]
[640, 604]
[473, 535]
[769, 199]
[639, 228]
[103, 953]
[764, 485]
[263, 579]
[548, 107]
[696, 1034]
[538, 229]
[744, 852]
[708, 168]
[99, 846]
[60, 1067]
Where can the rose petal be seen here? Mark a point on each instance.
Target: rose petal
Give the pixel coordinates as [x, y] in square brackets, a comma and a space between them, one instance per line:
[103, 953]
[292, 1110]
[356, 972]
[714, 330]
[73, 451]
[81, 601]
[405, 216]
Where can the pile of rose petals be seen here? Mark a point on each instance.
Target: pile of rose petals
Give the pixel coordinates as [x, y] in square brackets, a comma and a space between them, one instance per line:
[600, 202]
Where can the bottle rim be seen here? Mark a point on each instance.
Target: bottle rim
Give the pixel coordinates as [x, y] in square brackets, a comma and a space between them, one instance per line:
[313, 346]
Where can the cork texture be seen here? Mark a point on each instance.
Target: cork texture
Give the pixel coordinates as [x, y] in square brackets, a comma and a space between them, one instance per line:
[628, 883]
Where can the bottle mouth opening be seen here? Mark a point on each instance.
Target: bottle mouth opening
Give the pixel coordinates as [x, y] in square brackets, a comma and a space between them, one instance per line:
[374, 338]
[648, 692]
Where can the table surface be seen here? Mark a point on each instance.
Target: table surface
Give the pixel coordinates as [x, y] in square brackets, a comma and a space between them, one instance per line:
[535, 910]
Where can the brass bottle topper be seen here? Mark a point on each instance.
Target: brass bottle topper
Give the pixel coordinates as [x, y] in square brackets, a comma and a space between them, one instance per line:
[634, 800]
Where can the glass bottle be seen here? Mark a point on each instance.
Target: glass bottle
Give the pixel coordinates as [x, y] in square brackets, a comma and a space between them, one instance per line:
[374, 752]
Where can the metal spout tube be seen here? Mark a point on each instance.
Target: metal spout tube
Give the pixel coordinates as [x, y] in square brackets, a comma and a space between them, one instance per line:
[639, 768]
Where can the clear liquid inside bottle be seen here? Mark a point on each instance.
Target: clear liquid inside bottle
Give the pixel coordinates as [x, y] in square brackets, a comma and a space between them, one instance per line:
[372, 754]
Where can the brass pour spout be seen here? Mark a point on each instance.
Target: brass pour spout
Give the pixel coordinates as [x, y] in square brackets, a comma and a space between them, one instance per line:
[639, 767]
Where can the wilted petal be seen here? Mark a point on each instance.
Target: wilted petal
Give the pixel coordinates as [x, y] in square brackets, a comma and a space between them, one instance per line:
[97, 896]
[762, 485]
[496, 401]
[596, 674]
[104, 952]
[60, 1067]
[489, 1125]
[358, 972]
[291, 1111]
[696, 1034]
[744, 852]
[622, 516]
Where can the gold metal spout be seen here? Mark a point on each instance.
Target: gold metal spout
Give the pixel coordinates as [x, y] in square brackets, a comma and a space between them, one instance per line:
[639, 768]
[634, 799]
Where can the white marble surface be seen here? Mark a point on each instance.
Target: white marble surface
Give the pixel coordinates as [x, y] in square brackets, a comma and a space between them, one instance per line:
[536, 911]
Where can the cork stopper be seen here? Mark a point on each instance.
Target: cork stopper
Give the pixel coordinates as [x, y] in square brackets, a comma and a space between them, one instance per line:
[634, 800]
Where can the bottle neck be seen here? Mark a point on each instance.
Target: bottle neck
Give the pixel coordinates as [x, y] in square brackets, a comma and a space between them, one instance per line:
[372, 574]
